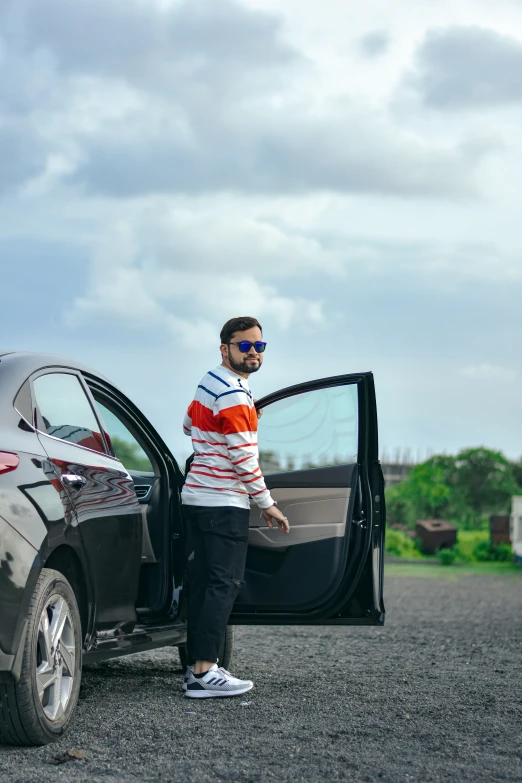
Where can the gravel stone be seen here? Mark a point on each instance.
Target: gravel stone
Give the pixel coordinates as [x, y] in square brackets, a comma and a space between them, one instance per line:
[435, 695]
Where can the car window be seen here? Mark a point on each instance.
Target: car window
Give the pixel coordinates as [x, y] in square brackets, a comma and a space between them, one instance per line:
[66, 411]
[309, 430]
[124, 444]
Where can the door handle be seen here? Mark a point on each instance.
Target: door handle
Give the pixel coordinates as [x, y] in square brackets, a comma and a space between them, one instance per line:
[74, 481]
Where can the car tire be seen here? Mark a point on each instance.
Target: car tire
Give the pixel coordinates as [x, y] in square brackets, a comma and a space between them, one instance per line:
[225, 654]
[38, 708]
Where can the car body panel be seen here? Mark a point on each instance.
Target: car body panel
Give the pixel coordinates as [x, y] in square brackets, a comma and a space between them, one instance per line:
[109, 520]
[17, 557]
[34, 499]
[32, 517]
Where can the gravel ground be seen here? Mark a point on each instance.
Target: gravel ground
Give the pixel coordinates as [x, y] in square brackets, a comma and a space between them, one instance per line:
[434, 695]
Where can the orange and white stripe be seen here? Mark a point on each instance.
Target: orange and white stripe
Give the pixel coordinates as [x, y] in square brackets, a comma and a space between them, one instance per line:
[222, 422]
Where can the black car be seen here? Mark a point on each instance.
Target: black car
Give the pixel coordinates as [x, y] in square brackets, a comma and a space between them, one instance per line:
[92, 539]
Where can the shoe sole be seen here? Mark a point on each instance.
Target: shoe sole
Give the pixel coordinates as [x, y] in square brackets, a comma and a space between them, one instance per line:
[216, 694]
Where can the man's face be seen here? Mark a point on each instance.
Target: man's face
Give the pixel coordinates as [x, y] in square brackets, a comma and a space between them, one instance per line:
[244, 362]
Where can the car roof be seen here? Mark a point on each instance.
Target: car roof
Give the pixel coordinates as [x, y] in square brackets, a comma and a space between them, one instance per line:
[23, 363]
[17, 366]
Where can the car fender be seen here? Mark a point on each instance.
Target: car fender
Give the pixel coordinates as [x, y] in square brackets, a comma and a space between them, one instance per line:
[19, 570]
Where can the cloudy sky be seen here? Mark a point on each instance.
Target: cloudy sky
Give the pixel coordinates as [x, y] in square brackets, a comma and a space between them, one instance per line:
[349, 173]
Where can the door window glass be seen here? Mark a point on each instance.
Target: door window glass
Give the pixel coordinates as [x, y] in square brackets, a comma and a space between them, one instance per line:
[66, 412]
[309, 430]
[124, 444]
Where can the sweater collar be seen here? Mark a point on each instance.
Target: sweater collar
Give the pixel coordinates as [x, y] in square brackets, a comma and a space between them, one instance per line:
[231, 375]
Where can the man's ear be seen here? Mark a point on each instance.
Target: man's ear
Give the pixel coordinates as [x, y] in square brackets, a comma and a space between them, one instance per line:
[223, 351]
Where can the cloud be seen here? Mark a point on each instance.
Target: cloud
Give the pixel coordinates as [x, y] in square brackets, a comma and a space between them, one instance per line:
[131, 99]
[440, 263]
[466, 67]
[180, 284]
[487, 372]
[284, 151]
[374, 43]
[20, 158]
[166, 48]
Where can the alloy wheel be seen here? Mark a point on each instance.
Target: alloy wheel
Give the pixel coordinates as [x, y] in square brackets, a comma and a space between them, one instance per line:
[55, 657]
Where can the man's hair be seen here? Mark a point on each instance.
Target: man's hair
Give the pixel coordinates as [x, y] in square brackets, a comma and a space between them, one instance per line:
[237, 325]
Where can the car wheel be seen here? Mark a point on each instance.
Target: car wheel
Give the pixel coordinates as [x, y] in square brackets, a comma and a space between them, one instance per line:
[37, 709]
[225, 654]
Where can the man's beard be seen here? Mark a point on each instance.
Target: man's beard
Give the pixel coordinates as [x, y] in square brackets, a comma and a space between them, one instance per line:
[244, 366]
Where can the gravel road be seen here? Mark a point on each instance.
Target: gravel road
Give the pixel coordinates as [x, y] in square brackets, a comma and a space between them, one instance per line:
[435, 695]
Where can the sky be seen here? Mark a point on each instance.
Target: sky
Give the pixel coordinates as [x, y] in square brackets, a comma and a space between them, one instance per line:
[348, 173]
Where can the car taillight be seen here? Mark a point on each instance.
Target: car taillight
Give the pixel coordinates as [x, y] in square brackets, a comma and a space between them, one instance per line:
[8, 462]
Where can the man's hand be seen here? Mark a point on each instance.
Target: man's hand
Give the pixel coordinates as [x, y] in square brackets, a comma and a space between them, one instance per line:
[272, 515]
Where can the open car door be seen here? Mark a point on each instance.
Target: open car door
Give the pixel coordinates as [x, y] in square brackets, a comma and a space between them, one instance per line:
[318, 451]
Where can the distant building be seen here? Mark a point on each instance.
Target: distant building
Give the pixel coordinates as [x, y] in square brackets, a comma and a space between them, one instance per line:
[515, 532]
[395, 472]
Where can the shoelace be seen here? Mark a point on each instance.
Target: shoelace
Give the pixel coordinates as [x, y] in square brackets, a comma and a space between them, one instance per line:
[224, 671]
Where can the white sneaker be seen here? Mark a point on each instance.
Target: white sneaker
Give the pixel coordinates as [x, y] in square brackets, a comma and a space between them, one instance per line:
[188, 672]
[216, 682]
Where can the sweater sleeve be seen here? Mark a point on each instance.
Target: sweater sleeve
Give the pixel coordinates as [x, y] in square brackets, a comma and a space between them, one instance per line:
[237, 422]
[187, 422]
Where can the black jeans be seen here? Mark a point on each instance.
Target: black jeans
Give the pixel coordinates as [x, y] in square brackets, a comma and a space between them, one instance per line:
[217, 541]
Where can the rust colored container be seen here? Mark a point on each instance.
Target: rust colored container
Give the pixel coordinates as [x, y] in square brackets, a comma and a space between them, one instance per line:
[435, 534]
[499, 529]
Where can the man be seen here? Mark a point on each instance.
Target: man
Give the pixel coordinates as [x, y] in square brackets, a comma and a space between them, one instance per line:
[224, 475]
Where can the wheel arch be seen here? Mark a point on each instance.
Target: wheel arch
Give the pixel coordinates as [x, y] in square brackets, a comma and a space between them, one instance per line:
[65, 560]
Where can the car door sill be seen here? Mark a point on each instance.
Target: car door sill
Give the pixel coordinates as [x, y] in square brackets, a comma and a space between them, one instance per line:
[141, 639]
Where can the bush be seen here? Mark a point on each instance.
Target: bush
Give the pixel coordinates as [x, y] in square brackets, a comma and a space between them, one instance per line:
[486, 551]
[503, 553]
[399, 544]
[482, 552]
[447, 556]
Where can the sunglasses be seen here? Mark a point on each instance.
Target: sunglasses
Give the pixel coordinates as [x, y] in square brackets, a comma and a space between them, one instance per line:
[244, 346]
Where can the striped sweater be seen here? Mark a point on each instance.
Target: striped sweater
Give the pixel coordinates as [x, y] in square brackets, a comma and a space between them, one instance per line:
[222, 421]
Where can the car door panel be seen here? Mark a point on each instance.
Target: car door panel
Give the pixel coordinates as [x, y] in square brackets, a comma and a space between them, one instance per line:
[269, 588]
[313, 551]
[328, 569]
[109, 519]
[317, 513]
[101, 491]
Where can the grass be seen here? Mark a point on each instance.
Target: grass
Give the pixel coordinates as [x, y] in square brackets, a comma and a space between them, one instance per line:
[468, 540]
[452, 573]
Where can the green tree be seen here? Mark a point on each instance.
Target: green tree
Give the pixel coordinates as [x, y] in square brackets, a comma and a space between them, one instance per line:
[517, 473]
[483, 481]
[131, 455]
[399, 509]
[425, 494]
[461, 488]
